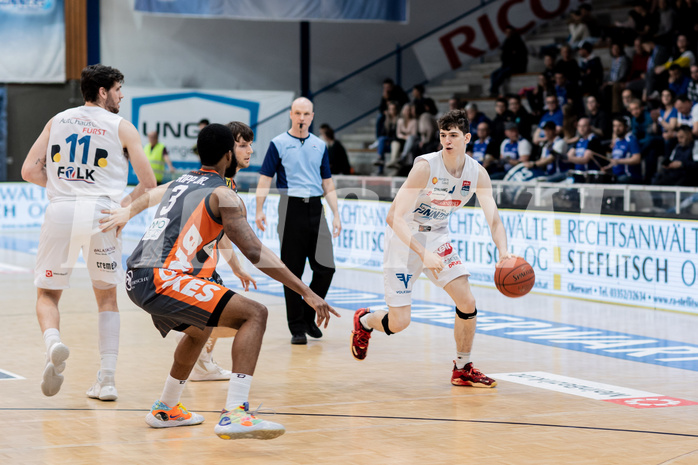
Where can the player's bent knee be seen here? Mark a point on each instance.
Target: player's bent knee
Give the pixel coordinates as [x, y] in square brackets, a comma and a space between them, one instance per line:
[394, 324]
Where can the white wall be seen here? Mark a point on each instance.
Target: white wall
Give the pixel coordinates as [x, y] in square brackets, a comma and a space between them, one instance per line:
[232, 54]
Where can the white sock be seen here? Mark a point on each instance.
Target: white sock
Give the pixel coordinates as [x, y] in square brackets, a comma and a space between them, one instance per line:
[462, 359]
[238, 390]
[51, 336]
[172, 391]
[364, 323]
[109, 326]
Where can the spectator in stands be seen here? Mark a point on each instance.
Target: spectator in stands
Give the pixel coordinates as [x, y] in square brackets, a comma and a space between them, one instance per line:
[638, 23]
[688, 113]
[578, 30]
[567, 65]
[678, 169]
[391, 93]
[552, 157]
[657, 54]
[682, 56]
[627, 96]
[536, 96]
[553, 113]
[688, 12]
[514, 59]
[566, 91]
[522, 118]
[638, 68]
[692, 92]
[422, 103]
[339, 160]
[549, 67]
[667, 22]
[599, 122]
[626, 158]
[428, 139]
[570, 116]
[406, 135]
[667, 112]
[590, 70]
[455, 103]
[678, 82]
[584, 154]
[475, 117]
[591, 21]
[480, 147]
[614, 81]
[647, 133]
[513, 150]
[502, 116]
[387, 134]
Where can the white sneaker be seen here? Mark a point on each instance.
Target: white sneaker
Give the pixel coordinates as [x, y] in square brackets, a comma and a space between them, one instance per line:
[104, 388]
[55, 364]
[206, 369]
[240, 423]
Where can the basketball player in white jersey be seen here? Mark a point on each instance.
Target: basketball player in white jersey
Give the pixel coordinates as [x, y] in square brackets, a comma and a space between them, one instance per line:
[79, 157]
[417, 239]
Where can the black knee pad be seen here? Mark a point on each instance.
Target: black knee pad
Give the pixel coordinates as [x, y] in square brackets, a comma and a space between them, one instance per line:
[466, 316]
[386, 326]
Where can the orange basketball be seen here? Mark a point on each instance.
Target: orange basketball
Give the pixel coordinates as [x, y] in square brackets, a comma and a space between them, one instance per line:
[514, 277]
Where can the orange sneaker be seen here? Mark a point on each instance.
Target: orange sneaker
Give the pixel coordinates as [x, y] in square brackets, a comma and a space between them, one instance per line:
[162, 416]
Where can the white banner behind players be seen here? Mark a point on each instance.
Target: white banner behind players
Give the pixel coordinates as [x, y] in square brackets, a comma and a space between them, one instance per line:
[646, 262]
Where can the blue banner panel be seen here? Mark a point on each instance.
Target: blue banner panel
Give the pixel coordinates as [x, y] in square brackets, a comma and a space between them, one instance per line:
[282, 10]
[3, 133]
[32, 41]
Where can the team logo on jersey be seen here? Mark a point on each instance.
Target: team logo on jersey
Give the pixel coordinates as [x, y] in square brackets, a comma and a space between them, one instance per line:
[434, 180]
[465, 188]
[446, 203]
[427, 211]
[70, 173]
[452, 189]
[404, 278]
[444, 250]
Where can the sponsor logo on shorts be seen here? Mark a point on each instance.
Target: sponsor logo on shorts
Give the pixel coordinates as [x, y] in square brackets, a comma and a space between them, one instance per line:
[49, 274]
[428, 211]
[105, 251]
[107, 266]
[404, 278]
[446, 203]
[444, 250]
[187, 285]
[131, 283]
[465, 188]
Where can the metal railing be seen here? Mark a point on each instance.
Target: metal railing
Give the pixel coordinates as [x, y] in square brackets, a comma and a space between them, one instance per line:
[666, 201]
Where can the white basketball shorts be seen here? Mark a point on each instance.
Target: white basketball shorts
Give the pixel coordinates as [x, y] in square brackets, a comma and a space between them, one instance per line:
[402, 266]
[69, 227]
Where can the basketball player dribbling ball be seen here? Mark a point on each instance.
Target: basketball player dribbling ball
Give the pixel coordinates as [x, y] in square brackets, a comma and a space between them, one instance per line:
[168, 278]
[79, 158]
[417, 239]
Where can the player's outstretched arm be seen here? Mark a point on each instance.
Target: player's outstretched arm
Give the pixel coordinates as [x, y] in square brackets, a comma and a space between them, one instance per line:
[402, 205]
[118, 217]
[228, 205]
[489, 208]
[34, 167]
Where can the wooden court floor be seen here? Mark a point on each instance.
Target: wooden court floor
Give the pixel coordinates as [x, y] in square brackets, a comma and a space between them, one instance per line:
[397, 406]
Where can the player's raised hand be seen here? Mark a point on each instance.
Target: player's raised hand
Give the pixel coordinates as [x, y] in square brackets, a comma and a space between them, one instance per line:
[322, 309]
[116, 218]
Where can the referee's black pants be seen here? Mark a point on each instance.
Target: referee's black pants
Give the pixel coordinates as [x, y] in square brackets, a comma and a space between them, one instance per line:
[304, 235]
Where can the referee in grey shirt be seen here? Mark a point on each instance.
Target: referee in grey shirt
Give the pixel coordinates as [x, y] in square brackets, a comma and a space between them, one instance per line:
[301, 163]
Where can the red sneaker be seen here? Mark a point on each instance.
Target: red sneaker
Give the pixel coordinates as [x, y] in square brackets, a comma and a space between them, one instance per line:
[360, 336]
[471, 376]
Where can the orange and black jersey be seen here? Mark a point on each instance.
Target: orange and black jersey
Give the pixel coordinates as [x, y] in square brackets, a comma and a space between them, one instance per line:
[184, 233]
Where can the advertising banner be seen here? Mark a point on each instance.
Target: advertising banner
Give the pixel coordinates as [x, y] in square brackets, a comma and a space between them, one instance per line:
[32, 41]
[642, 262]
[483, 32]
[282, 10]
[175, 114]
